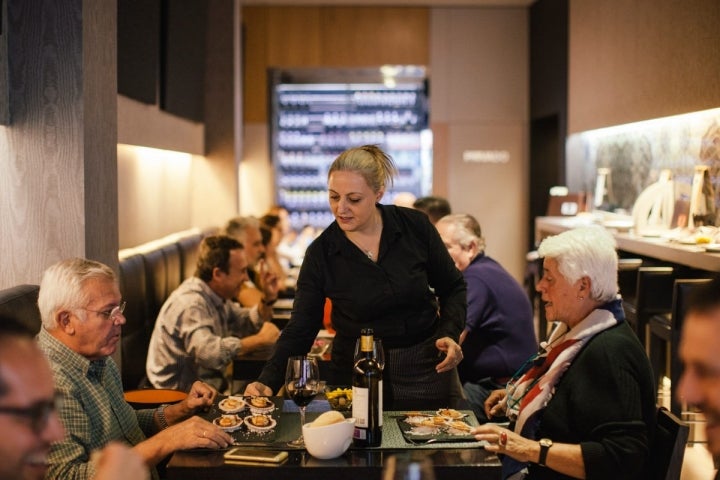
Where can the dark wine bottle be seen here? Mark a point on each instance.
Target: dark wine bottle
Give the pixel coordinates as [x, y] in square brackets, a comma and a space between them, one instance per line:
[367, 406]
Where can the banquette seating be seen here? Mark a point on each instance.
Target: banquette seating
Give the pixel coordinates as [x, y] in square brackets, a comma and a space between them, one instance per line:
[19, 304]
[148, 274]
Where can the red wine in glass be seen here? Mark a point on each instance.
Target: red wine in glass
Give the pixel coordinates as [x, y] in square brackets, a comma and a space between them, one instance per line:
[302, 382]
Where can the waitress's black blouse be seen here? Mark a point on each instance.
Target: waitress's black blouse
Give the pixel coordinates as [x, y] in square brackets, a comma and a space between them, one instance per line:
[392, 296]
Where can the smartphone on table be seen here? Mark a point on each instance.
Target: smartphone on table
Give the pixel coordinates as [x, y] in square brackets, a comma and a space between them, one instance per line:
[242, 454]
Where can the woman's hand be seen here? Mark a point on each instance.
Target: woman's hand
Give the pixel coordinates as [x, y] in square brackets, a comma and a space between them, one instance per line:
[257, 388]
[453, 354]
[502, 440]
[495, 403]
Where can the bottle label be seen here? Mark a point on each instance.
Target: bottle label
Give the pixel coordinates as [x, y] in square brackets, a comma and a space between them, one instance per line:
[360, 406]
[361, 398]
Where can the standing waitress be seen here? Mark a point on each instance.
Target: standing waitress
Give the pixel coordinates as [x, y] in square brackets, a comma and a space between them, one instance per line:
[386, 268]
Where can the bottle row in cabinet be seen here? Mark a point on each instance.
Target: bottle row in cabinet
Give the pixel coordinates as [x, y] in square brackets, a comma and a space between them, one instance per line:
[320, 219]
[302, 159]
[359, 98]
[296, 186]
[340, 140]
[357, 120]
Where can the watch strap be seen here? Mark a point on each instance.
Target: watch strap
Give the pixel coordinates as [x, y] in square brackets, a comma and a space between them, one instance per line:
[545, 445]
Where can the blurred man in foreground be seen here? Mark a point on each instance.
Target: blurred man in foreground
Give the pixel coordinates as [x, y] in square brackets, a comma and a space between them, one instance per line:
[699, 346]
[82, 315]
[29, 421]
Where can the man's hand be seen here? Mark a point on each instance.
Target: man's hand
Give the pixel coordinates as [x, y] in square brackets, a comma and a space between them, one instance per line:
[266, 336]
[201, 396]
[268, 281]
[195, 432]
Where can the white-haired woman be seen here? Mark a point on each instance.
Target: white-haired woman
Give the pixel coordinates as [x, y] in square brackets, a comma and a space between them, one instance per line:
[584, 407]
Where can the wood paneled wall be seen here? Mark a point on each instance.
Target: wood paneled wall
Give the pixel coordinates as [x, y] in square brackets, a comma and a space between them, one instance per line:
[632, 61]
[326, 37]
[58, 186]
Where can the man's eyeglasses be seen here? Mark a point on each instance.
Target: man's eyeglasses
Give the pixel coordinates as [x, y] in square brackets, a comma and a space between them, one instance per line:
[110, 314]
[37, 415]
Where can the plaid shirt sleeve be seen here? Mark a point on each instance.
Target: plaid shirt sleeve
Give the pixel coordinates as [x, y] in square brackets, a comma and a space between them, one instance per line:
[92, 409]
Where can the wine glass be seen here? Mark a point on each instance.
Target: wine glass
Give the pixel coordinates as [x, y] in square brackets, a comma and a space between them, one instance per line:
[378, 352]
[302, 382]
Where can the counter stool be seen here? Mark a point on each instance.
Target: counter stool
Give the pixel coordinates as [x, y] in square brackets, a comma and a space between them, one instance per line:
[664, 337]
[627, 286]
[653, 295]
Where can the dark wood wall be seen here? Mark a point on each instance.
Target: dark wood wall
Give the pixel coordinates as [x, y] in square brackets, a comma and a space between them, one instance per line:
[548, 102]
[326, 37]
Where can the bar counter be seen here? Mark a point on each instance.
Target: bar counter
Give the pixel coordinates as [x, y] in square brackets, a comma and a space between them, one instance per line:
[693, 256]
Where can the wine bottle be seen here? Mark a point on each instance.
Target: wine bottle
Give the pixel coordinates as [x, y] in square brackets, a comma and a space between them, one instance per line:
[367, 406]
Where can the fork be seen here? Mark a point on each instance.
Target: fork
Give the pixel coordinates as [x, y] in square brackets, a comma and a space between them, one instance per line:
[421, 442]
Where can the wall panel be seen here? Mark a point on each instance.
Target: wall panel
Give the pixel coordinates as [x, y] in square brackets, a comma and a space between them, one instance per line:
[635, 60]
[326, 37]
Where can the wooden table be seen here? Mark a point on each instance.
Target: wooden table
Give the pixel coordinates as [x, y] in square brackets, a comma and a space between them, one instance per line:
[457, 461]
[450, 464]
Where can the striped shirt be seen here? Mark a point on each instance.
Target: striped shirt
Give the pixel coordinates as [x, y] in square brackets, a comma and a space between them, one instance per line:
[92, 409]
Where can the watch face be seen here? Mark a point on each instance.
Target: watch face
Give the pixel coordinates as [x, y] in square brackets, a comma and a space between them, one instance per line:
[545, 442]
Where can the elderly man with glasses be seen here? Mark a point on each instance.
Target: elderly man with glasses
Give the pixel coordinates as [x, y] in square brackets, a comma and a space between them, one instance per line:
[82, 315]
[28, 418]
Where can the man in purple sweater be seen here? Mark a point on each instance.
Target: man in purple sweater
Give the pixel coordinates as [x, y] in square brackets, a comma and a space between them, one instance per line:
[499, 335]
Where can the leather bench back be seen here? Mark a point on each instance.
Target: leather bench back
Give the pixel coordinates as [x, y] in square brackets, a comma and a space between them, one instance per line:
[148, 275]
[19, 304]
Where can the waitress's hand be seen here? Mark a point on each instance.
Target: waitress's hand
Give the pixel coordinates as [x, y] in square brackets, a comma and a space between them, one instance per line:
[257, 388]
[453, 354]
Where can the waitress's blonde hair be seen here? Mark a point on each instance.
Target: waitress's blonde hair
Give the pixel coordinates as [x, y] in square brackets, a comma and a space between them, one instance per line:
[376, 167]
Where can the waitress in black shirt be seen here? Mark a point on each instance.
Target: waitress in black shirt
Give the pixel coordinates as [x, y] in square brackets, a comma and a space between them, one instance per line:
[386, 268]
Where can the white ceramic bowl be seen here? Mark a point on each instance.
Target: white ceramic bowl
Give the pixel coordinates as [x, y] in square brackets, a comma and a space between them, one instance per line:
[328, 441]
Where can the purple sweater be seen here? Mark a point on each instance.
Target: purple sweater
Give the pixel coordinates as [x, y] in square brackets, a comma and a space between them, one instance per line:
[499, 322]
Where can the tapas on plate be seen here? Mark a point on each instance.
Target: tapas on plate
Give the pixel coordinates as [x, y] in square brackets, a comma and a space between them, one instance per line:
[260, 423]
[232, 404]
[261, 405]
[229, 423]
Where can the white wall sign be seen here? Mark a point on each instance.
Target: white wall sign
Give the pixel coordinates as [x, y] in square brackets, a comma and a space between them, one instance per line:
[486, 156]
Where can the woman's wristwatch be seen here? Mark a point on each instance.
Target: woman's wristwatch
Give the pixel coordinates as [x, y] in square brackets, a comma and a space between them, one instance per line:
[545, 444]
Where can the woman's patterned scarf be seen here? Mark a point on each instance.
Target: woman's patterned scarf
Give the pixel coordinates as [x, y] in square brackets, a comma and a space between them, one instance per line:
[528, 396]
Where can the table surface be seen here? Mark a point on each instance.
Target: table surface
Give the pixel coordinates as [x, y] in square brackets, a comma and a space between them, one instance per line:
[456, 460]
